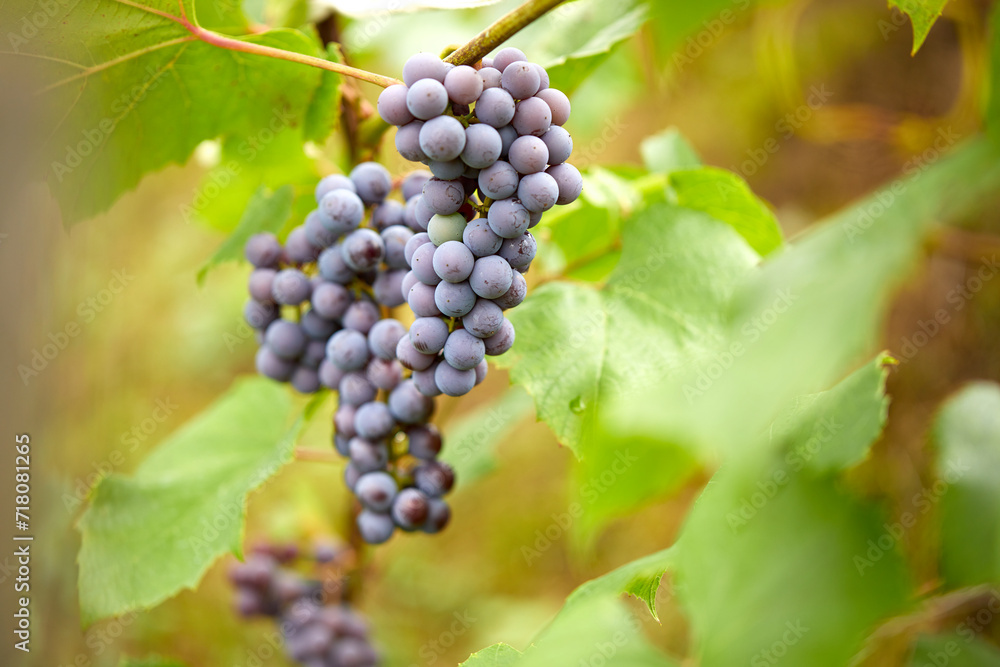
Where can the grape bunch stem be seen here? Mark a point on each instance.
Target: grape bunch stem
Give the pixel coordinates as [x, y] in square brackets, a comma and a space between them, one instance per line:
[500, 31]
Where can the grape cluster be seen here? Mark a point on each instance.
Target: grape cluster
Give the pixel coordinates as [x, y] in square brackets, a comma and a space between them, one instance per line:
[336, 277]
[315, 633]
[493, 139]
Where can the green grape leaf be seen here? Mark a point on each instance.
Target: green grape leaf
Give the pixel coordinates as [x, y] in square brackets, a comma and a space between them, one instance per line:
[578, 344]
[265, 212]
[816, 545]
[808, 316]
[725, 196]
[473, 438]
[323, 115]
[640, 578]
[835, 429]
[668, 151]
[923, 14]
[126, 90]
[497, 655]
[151, 661]
[967, 434]
[961, 649]
[147, 536]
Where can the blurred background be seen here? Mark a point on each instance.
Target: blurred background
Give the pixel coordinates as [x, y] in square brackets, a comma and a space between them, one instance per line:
[814, 103]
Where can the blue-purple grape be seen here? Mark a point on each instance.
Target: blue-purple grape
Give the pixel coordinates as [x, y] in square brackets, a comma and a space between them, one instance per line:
[484, 319]
[453, 382]
[260, 283]
[392, 105]
[373, 421]
[428, 334]
[362, 250]
[444, 197]
[388, 288]
[520, 79]
[454, 299]
[333, 268]
[348, 350]
[356, 389]
[558, 103]
[463, 84]
[453, 261]
[501, 341]
[409, 509]
[499, 180]
[408, 405]
[435, 478]
[375, 528]
[559, 144]
[341, 211]
[529, 154]
[421, 301]
[519, 251]
[384, 337]
[462, 350]
[376, 490]
[424, 441]
[424, 66]
[538, 192]
[532, 116]
[410, 358]
[286, 339]
[480, 239]
[569, 182]
[422, 263]
[272, 366]
[508, 218]
[495, 107]
[330, 300]
[507, 56]
[408, 141]
[388, 214]
[263, 250]
[427, 99]
[483, 146]
[491, 277]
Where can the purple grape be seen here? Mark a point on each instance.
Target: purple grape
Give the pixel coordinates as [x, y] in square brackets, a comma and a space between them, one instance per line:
[285, 339]
[463, 350]
[447, 171]
[538, 192]
[483, 146]
[330, 300]
[543, 76]
[428, 334]
[421, 301]
[375, 528]
[438, 515]
[484, 319]
[508, 218]
[453, 382]
[422, 212]
[392, 105]
[409, 509]
[351, 477]
[333, 182]
[530, 154]
[355, 389]
[463, 84]
[361, 316]
[298, 249]
[318, 235]
[409, 280]
[260, 315]
[343, 420]
[424, 441]
[491, 277]
[424, 381]
[559, 144]
[348, 350]
[384, 374]
[495, 107]
[520, 251]
[442, 139]
[480, 239]
[388, 288]
[291, 287]
[259, 285]
[389, 213]
[501, 341]
[427, 99]
[520, 79]
[329, 374]
[410, 358]
[422, 262]
[444, 197]
[507, 56]
[558, 104]
[373, 421]
[305, 380]
[408, 141]
[454, 299]
[376, 490]
[569, 182]
[499, 180]
[317, 327]
[435, 479]
[362, 250]
[341, 211]
[453, 261]
[263, 250]
[408, 405]
[414, 242]
[490, 76]
[481, 370]
[272, 366]
[394, 240]
[333, 268]
[424, 66]
[508, 135]
[384, 337]
[413, 184]
[314, 355]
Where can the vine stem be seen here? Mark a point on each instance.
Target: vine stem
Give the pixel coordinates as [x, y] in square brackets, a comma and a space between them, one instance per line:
[500, 31]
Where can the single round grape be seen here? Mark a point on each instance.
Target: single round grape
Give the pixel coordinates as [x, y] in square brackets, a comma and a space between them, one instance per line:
[317, 327]
[453, 382]
[341, 211]
[559, 144]
[543, 77]
[520, 251]
[529, 154]
[384, 337]
[421, 301]
[410, 358]
[508, 218]
[442, 139]
[348, 350]
[329, 374]
[424, 441]
[409, 280]
[463, 84]
[333, 182]
[392, 105]
[259, 285]
[263, 250]
[535, 217]
[409, 509]
[424, 66]
[362, 250]
[376, 490]
[368, 455]
[290, 287]
[499, 180]
[413, 184]
[423, 264]
[444, 197]
[463, 350]
[388, 214]
[428, 334]
[384, 374]
[408, 141]
[568, 180]
[272, 366]
[388, 288]
[482, 146]
[373, 421]
[424, 381]
[330, 300]
[480, 239]
[361, 316]
[491, 277]
[394, 240]
[333, 268]
[501, 341]
[538, 192]
[414, 242]
[318, 235]
[343, 420]
[508, 135]
[305, 380]
[351, 476]
[447, 171]
[375, 528]
[298, 249]
[532, 116]
[453, 261]
[486, 62]
[438, 516]
[490, 76]
[444, 228]
[558, 104]
[260, 315]
[484, 320]
[507, 56]
[427, 99]
[408, 405]
[355, 389]
[454, 299]
[422, 213]
[481, 369]
[435, 479]
[495, 107]
[521, 80]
